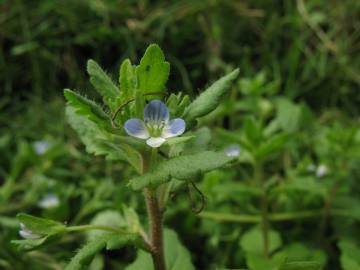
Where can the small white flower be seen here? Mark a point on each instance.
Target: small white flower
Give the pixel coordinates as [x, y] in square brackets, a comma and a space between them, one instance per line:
[41, 147]
[232, 150]
[26, 233]
[322, 170]
[49, 201]
[157, 126]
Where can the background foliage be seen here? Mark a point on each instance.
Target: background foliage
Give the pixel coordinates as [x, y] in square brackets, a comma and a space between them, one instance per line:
[293, 109]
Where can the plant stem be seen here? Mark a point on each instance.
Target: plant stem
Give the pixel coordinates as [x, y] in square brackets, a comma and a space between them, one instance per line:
[155, 216]
[276, 217]
[94, 227]
[156, 229]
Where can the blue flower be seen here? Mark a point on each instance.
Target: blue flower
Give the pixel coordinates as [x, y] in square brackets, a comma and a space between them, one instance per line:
[157, 126]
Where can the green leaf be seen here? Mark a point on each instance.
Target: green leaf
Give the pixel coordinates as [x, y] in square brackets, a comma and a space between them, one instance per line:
[95, 139]
[153, 71]
[257, 261]
[48, 230]
[177, 140]
[302, 266]
[288, 115]
[100, 142]
[298, 252]
[176, 255]
[271, 146]
[103, 85]
[109, 218]
[210, 98]
[253, 131]
[127, 221]
[87, 108]
[183, 168]
[127, 79]
[86, 254]
[40, 225]
[252, 241]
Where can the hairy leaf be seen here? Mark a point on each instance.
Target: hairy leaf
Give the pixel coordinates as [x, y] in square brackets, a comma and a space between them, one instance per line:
[86, 254]
[210, 98]
[127, 79]
[103, 85]
[100, 142]
[183, 168]
[87, 108]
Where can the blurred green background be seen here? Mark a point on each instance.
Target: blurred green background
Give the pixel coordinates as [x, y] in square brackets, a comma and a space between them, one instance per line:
[305, 52]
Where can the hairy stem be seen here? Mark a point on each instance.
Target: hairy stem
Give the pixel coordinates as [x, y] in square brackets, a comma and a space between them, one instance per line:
[156, 229]
[155, 215]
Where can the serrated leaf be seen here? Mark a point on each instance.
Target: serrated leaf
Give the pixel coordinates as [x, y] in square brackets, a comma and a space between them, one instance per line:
[103, 85]
[183, 168]
[87, 108]
[94, 138]
[176, 255]
[153, 71]
[210, 98]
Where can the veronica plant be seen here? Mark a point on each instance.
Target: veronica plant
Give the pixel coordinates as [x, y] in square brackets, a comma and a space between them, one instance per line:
[137, 128]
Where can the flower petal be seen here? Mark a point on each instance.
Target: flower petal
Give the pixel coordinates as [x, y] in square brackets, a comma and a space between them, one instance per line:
[174, 128]
[136, 128]
[156, 112]
[155, 142]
